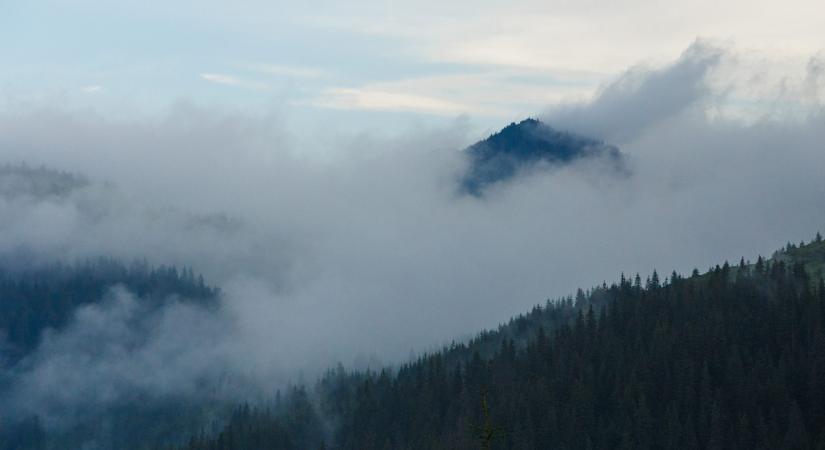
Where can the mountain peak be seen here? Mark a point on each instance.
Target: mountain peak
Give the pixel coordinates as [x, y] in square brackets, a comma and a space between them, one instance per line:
[519, 146]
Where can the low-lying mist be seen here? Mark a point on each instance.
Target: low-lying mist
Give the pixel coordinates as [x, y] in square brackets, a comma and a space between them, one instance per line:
[366, 248]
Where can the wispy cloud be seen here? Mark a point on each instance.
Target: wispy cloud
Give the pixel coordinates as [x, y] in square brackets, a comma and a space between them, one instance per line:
[382, 100]
[231, 80]
[489, 93]
[287, 70]
[91, 89]
[576, 36]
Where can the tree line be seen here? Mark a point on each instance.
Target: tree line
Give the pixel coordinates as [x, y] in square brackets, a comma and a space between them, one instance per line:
[730, 359]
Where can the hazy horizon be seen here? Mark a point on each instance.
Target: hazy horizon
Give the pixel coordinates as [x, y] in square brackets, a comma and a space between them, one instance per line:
[307, 165]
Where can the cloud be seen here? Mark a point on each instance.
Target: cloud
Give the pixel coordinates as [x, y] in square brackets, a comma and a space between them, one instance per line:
[501, 94]
[815, 79]
[369, 250]
[377, 41]
[91, 89]
[381, 100]
[231, 80]
[116, 351]
[641, 97]
[287, 71]
[585, 37]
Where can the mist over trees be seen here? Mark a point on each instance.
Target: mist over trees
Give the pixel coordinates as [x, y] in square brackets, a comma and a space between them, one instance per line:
[730, 359]
[359, 247]
[371, 218]
[40, 182]
[37, 299]
[38, 302]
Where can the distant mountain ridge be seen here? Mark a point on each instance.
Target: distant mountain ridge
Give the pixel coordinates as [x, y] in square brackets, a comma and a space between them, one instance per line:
[519, 146]
[35, 299]
[38, 182]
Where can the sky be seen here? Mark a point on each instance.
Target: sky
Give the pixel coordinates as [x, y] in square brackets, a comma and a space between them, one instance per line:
[305, 159]
[357, 64]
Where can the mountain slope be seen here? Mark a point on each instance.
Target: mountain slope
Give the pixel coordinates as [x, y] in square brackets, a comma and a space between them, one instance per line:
[522, 146]
[32, 300]
[811, 255]
[731, 359]
[45, 300]
[40, 183]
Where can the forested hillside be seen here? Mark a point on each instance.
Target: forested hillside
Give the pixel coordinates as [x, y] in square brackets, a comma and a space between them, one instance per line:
[39, 298]
[32, 300]
[730, 359]
[733, 358]
[412, 225]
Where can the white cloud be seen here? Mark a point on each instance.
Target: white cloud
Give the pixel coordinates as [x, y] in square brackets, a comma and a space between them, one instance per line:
[231, 80]
[287, 70]
[372, 99]
[91, 89]
[374, 252]
[498, 93]
[589, 36]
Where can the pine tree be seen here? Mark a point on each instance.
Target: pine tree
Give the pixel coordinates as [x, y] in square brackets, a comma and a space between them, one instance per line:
[712, 361]
[796, 438]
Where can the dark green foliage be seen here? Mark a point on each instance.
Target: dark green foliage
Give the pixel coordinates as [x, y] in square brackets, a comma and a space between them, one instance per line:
[291, 424]
[32, 300]
[812, 256]
[518, 146]
[28, 434]
[730, 359]
[37, 182]
[719, 361]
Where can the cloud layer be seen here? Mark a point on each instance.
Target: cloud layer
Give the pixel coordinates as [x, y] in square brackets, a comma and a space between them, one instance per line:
[338, 246]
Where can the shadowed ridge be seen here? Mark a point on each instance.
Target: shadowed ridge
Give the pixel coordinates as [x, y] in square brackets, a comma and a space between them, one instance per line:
[521, 145]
